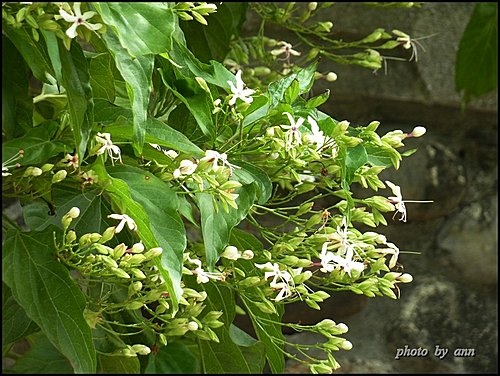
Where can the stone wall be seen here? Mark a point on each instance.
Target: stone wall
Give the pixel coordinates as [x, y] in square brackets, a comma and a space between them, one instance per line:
[452, 243]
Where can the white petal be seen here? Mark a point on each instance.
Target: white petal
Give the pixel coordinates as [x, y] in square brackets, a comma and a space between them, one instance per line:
[71, 32]
[66, 16]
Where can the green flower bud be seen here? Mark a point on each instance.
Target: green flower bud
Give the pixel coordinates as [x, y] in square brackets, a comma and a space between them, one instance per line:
[320, 368]
[108, 261]
[249, 282]
[120, 273]
[102, 249]
[107, 234]
[132, 306]
[119, 251]
[163, 339]
[153, 252]
[84, 240]
[247, 254]
[70, 236]
[231, 184]
[47, 167]
[136, 259]
[138, 273]
[59, 176]
[312, 6]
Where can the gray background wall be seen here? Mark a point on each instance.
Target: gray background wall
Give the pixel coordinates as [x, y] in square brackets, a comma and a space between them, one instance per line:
[452, 302]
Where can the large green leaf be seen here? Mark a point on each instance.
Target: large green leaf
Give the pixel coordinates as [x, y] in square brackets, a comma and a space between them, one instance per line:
[476, 71]
[211, 42]
[117, 365]
[236, 352]
[15, 323]
[36, 143]
[278, 89]
[92, 219]
[160, 203]
[41, 358]
[175, 358]
[34, 53]
[159, 133]
[216, 225]
[121, 196]
[17, 105]
[101, 77]
[43, 287]
[253, 174]
[137, 74]
[141, 28]
[76, 81]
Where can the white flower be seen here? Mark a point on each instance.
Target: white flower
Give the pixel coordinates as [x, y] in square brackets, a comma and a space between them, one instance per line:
[392, 249]
[397, 200]
[214, 156]
[78, 19]
[418, 131]
[316, 135]
[70, 161]
[124, 219]
[9, 162]
[201, 275]
[286, 49]
[293, 135]
[186, 167]
[281, 280]
[239, 91]
[331, 261]
[114, 151]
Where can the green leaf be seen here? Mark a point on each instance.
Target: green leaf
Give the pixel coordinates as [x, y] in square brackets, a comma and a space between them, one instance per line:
[216, 225]
[76, 81]
[157, 132]
[34, 53]
[245, 356]
[278, 89]
[355, 158]
[476, 70]
[42, 357]
[36, 144]
[253, 174]
[137, 74]
[106, 112]
[377, 156]
[43, 287]
[15, 323]
[113, 364]
[269, 333]
[53, 51]
[211, 42]
[121, 195]
[245, 240]
[17, 105]
[141, 28]
[175, 358]
[90, 202]
[101, 77]
[292, 92]
[318, 100]
[160, 203]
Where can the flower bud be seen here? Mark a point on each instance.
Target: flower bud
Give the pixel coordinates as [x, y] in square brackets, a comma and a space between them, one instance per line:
[331, 76]
[119, 251]
[120, 273]
[341, 328]
[109, 262]
[249, 282]
[59, 176]
[312, 6]
[192, 326]
[84, 239]
[139, 274]
[137, 248]
[141, 349]
[418, 131]
[107, 234]
[231, 253]
[320, 368]
[405, 278]
[163, 339]
[70, 236]
[102, 249]
[135, 287]
[47, 167]
[346, 345]
[247, 254]
[134, 305]
[153, 252]
[74, 212]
